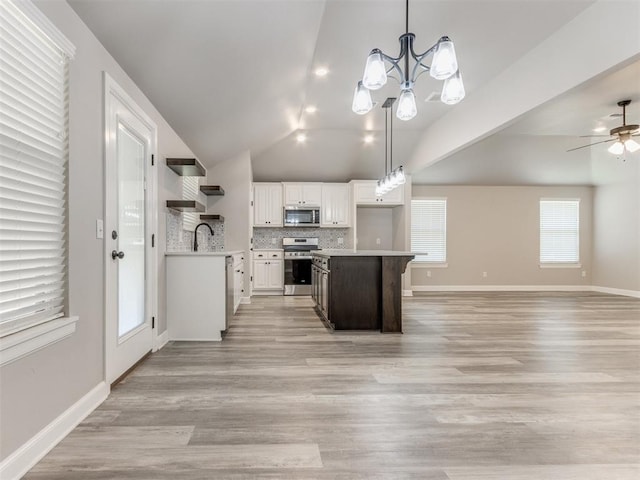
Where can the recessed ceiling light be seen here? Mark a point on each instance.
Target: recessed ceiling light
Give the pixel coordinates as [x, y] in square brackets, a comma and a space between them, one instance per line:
[321, 71]
[301, 138]
[311, 109]
[368, 138]
[599, 129]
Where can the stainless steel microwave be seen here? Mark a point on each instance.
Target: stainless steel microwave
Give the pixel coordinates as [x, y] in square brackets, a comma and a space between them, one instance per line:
[301, 217]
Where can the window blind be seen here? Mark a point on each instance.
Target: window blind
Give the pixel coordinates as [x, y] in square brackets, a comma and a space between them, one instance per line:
[33, 156]
[190, 191]
[429, 229]
[559, 231]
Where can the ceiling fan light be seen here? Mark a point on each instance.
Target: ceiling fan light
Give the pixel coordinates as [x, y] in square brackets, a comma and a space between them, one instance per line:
[444, 62]
[617, 148]
[407, 108]
[453, 89]
[375, 73]
[361, 100]
[631, 145]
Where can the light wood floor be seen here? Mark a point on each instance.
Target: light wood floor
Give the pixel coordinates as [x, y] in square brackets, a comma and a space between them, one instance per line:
[480, 386]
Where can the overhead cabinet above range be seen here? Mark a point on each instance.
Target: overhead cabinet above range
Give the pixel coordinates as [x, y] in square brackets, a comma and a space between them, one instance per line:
[302, 194]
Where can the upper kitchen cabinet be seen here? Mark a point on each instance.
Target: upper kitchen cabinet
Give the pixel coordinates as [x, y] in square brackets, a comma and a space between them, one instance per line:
[336, 205]
[364, 192]
[267, 205]
[302, 194]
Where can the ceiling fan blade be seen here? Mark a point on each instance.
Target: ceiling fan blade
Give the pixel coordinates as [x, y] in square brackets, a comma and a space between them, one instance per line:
[591, 144]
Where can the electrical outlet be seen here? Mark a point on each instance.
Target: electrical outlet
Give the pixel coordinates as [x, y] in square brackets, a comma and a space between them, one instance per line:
[377, 241]
[99, 229]
[429, 273]
[484, 274]
[340, 240]
[273, 240]
[584, 273]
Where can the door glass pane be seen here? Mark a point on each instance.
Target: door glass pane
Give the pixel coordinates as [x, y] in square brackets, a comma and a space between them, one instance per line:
[131, 220]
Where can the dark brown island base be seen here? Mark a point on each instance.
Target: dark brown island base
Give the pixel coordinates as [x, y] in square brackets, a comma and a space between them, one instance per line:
[359, 290]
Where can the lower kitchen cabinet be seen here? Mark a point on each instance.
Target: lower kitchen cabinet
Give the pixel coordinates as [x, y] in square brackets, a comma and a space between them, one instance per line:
[268, 272]
[238, 280]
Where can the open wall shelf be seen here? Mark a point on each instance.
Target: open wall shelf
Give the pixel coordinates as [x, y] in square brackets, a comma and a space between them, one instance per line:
[185, 205]
[210, 217]
[187, 167]
[211, 190]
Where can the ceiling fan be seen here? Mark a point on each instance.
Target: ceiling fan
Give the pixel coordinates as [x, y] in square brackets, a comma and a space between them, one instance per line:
[621, 135]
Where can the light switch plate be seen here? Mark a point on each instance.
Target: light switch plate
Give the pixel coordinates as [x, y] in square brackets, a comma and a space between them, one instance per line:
[99, 228]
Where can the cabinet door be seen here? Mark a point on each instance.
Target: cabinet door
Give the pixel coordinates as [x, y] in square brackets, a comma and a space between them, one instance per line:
[260, 274]
[275, 274]
[293, 194]
[365, 194]
[261, 202]
[394, 197]
[275, 206]
[312, 194]
[336, 205]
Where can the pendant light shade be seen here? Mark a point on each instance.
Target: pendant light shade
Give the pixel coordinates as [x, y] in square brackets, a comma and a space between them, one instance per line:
[453, 89]
[407, 108]
[617, 148]
[631, 145]
[445, 62]
[375, 73]
[361, 100]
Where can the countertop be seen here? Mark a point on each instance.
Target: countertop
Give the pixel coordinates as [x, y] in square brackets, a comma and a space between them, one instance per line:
[226, 253]
[360, 253]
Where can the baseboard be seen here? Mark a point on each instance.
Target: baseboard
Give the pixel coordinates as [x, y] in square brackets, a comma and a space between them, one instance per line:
[407, 293]
[616, 291]
[245, 300]
[161, 340]
[501, 288]
[22, 460]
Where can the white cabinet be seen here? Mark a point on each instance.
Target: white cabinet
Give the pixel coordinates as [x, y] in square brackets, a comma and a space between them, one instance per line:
[196, 296]
[238, 280]
[267, 204]
[364, 192]
[305, 194]
[336, 205]
[268, 272]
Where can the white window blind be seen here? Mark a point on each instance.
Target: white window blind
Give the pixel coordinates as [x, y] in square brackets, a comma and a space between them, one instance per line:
[559, 231]
[33, 154]
[190, 191]
[429, 229]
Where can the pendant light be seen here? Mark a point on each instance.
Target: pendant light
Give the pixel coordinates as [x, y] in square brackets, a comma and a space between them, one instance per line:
[444, 66]
[392, 178]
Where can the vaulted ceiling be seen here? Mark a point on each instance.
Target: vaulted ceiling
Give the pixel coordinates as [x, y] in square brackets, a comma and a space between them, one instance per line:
[237, 75]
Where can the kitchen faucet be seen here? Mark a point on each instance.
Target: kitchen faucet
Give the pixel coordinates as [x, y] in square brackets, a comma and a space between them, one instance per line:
[195, 235]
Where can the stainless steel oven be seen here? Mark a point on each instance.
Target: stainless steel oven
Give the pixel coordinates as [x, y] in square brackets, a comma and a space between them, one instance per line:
[297, 265]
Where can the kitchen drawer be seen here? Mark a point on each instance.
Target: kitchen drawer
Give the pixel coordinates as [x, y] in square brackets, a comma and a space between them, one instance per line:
[267, 254]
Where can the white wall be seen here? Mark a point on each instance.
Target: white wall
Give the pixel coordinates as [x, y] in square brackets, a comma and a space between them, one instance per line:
[616, 204]
[38, 388]
[235, 177]
[496, 230]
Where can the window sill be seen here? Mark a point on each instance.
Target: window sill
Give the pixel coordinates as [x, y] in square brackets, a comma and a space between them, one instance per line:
[415, 264]
[560, 265]
[20, 344]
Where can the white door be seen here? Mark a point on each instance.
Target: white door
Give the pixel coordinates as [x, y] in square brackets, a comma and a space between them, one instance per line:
[129, 226]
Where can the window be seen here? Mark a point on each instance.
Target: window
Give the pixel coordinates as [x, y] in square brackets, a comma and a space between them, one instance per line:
[33, 157]
[559, 232]
[429, 229]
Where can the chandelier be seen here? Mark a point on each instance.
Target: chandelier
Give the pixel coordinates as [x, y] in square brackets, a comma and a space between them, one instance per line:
[444, 66]
[393, 178]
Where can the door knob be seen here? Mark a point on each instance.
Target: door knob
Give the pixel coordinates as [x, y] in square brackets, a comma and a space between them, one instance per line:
[115, 254]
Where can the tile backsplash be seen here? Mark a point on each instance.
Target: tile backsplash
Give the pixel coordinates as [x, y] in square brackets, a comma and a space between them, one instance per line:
[327, 237]
[181, 240]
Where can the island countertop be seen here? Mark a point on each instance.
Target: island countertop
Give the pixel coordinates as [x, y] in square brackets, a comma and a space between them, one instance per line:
[347, 252]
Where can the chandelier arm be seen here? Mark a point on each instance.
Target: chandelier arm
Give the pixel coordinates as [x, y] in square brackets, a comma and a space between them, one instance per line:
[415, 79]
[415, 72]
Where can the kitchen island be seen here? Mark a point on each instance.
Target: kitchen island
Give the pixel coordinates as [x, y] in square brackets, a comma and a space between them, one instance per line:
[359, 290]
